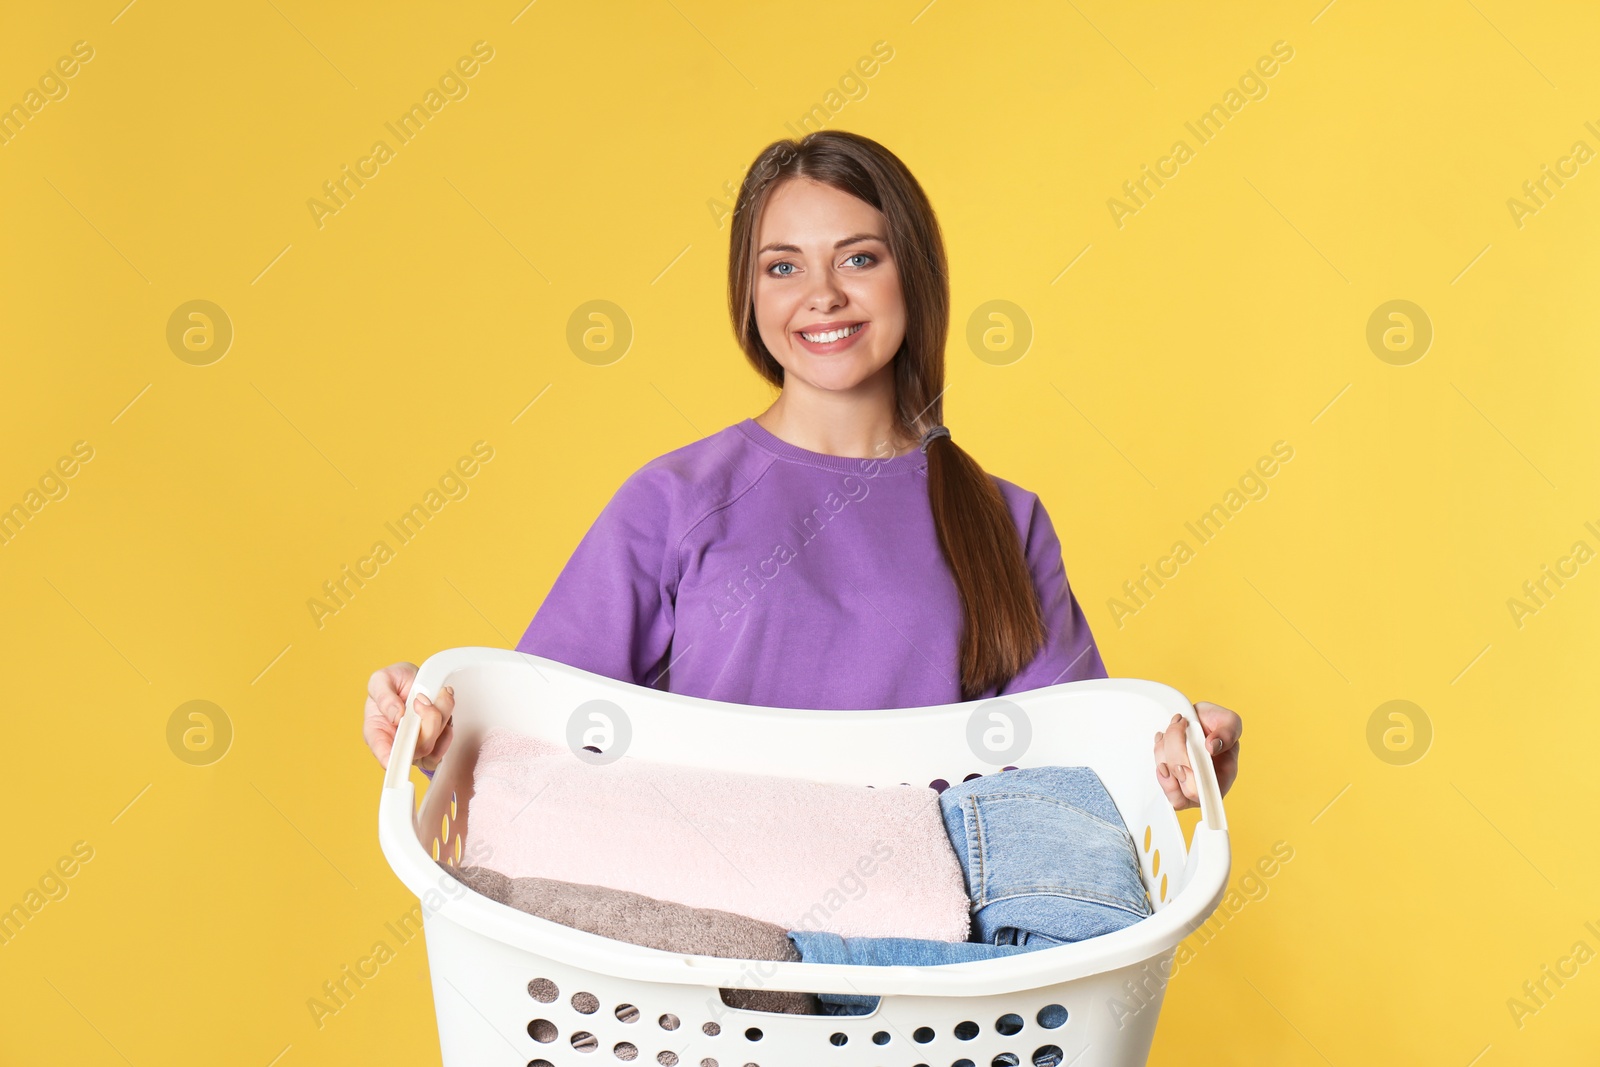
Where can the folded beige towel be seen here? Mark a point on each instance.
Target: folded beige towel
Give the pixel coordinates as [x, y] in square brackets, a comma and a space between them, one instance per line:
[660, 924]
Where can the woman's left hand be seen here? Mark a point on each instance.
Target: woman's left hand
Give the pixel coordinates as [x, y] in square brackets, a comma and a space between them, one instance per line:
[1222, 729]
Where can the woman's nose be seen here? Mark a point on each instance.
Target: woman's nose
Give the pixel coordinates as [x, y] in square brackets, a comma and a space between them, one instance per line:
[826, 293]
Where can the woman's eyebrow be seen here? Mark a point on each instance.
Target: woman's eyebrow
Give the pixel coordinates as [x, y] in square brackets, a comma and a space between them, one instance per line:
[854, 238]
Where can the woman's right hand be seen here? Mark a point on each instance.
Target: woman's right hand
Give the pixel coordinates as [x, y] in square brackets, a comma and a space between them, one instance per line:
[387, 693]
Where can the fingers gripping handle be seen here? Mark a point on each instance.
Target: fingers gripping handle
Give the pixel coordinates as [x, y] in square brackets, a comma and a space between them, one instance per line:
[1204, 773]
[426, 683]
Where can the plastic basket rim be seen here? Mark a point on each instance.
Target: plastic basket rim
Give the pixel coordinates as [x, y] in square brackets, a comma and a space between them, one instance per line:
[1208, 853]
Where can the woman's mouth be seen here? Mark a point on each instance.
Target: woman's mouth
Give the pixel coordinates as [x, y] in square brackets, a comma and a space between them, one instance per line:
[826, 342]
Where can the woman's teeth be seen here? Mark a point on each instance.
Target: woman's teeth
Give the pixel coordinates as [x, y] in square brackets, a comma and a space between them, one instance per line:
[831, 335]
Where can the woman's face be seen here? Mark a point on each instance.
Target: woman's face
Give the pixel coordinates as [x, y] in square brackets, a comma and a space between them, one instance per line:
[823, 267]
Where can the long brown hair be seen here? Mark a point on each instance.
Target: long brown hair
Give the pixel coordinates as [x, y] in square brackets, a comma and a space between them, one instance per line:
[1002, 628]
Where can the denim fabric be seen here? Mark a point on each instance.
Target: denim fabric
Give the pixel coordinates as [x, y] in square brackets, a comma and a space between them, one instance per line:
[1047, 860]
[816, 946]
[1045, 854]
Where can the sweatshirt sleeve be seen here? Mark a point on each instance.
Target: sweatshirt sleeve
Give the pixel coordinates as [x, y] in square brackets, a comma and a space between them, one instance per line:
[610, 610]
[1069, 653]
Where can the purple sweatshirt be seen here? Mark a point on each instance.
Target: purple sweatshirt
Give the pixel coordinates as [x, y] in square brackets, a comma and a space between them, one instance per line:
[745, 569]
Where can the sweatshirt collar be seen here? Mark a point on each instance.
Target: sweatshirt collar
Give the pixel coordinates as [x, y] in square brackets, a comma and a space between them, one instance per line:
[766, 440]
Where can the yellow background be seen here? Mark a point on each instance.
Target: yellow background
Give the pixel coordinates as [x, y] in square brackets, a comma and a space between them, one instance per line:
[1229, 313]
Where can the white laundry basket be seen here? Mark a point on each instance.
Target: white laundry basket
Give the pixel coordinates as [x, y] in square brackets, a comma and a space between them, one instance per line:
[514, 989]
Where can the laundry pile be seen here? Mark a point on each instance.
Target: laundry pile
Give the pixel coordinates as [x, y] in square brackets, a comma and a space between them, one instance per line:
[758, 867]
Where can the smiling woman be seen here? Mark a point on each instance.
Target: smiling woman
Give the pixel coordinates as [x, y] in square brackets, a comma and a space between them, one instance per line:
[840, 297]
[944, 584]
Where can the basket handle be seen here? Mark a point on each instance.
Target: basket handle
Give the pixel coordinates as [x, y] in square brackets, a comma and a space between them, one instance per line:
[429, 680]
[1205, 774]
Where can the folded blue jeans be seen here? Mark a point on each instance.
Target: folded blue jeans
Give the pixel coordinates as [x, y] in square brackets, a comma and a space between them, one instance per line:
[1045, 853]
[1047, 860]
[819, 946]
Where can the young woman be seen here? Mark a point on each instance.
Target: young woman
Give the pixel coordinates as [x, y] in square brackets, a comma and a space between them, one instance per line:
[840, 550]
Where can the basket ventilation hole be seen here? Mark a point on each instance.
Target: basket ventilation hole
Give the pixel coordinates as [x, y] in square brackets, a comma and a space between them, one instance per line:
[1155, 863]
[625, 1050]
[881, 1037]
[963, 1063]
[753, 1034]
[967, 1031]
[938, 785]
[585, 1003]
[1147, 839]
[1047, 1056]
[543, 1031]
[1052, 1016]
[1008, 1024]
[971, 776]
[710, 1029]
[922, 1035]
[837, 1038]
[708, 1062]
[543, 990]
[1006, 1059]
[668, 1021]
[540, 1063]
[1163, 887]
[667, 1059]
[627, 1013]
[584, 1041]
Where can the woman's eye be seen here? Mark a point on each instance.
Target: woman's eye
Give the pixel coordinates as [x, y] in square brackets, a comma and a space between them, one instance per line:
[776, 267]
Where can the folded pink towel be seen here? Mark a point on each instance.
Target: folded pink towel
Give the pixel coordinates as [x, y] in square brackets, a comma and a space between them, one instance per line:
[848, 860]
